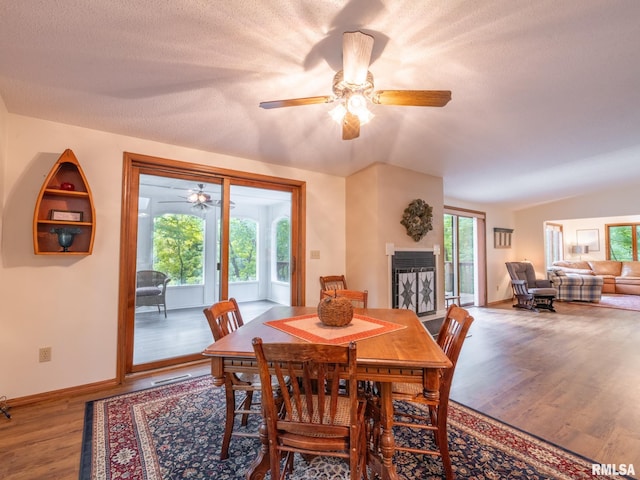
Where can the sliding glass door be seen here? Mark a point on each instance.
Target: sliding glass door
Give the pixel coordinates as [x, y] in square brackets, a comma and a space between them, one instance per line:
[178, 238]
[464, 266]
[206, 237]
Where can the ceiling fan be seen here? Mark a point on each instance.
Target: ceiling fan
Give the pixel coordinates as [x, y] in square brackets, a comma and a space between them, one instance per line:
[198, 199]
[353, 89]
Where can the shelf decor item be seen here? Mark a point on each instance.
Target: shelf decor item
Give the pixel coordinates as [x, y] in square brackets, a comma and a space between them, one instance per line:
[66, 236]
[335, 311]
[64, 215]
[502, 237]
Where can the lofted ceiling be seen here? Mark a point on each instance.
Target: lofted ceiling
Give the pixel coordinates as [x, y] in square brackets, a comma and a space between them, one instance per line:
[545, 94]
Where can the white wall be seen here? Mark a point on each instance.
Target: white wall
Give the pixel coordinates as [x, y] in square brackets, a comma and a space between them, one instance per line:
[3, 161]
[70, 304]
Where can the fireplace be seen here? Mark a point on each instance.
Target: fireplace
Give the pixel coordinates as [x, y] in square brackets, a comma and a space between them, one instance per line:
[413, 281]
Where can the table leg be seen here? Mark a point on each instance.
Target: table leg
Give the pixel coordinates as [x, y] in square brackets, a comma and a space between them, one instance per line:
[387, 443]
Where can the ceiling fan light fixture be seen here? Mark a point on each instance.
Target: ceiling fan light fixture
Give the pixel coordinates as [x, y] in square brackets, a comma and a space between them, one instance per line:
[365, 116]
[338, 112]
[198, 198]
[358, 105]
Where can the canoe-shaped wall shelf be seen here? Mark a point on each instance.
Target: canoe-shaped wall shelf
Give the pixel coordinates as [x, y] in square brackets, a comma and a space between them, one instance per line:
[64, 220]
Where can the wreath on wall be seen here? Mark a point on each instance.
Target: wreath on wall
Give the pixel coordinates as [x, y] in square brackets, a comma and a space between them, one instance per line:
[417, 219]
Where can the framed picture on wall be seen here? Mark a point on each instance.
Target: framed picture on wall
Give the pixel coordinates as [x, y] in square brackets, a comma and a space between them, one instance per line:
[590, 238]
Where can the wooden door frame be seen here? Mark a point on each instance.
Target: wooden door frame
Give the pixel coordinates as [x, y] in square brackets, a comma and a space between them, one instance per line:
[133, 165]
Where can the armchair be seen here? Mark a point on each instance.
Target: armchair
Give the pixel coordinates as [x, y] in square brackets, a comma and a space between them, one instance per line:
[151, 289]
[531, 293]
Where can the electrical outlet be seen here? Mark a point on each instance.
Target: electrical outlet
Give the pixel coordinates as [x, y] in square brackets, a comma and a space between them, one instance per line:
[315, 254]
[44, 354]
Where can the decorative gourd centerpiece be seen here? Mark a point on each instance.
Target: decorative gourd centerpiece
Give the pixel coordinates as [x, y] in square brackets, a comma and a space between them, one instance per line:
[335, 311]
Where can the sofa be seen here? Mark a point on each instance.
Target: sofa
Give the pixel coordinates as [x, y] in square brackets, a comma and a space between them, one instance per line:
[617, 277]
[576, 286]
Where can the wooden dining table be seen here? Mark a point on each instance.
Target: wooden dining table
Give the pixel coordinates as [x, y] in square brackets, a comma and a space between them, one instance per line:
[409, 355]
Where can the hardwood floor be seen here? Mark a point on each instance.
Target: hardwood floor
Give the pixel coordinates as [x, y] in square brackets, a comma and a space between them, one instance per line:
[184, 331]
[569, 377]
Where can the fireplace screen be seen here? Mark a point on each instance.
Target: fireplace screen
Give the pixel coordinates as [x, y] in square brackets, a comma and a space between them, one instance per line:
[414, 281]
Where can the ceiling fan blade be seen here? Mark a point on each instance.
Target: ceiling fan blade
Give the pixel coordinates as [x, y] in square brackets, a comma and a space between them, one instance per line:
[356, 55]
[294, 102]
[418, 98]
[350, 126]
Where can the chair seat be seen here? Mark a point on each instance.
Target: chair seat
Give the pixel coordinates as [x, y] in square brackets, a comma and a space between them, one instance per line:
[341, 418]
[147, 291]
[542, 292]
[407, 388]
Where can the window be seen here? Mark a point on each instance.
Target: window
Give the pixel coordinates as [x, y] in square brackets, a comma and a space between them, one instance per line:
[462, 265]
[178, 241]
[554, 243]
[622, 241]
[243, 249]
[283, 250]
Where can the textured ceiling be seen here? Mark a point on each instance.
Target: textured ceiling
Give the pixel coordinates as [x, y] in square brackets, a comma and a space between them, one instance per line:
[545, 101]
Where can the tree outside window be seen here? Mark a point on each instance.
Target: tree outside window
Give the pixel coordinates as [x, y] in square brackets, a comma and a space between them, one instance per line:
[622, 242]
[283, 249]
[243, 249]
[178, 246]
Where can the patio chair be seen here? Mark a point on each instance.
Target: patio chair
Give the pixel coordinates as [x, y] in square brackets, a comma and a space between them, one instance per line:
[151, 289]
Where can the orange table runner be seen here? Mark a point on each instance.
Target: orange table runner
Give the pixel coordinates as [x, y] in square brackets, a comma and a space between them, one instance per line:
[311, 329]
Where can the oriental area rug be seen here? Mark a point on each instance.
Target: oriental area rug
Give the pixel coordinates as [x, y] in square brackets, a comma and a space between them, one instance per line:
[175, 432]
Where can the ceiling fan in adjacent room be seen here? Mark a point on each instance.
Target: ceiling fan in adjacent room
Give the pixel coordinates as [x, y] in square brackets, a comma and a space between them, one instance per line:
[198, 199]
[353, 89]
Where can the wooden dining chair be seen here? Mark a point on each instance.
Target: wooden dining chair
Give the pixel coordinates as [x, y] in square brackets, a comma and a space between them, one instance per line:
[333, 282]
[358, 298]
[224, 317]
[314, 418]
[450, 338]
